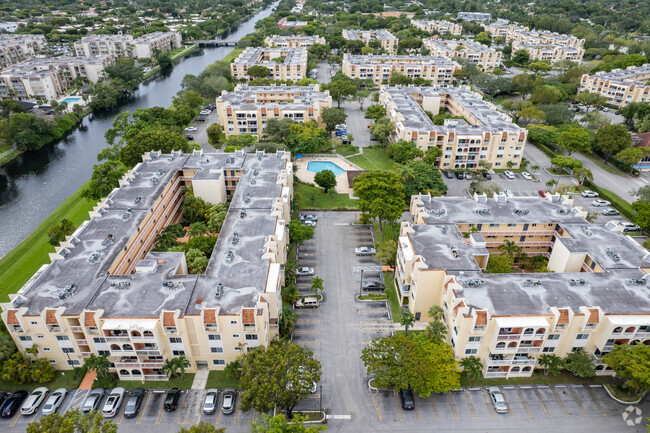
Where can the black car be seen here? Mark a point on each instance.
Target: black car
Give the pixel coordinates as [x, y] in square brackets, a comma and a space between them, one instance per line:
[171, 401]
[460, 175]
[134, 402]
[487, 175]
[406, 397]
[373, 285]
[13, 403]
[200, 119]
[449, 174]
[3, 396]
[189, 137]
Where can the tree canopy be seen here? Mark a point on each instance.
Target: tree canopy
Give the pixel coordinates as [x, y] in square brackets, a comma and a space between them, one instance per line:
[381, 195]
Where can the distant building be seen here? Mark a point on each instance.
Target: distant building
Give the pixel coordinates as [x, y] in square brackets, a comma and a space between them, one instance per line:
[548, 38]
[394, 14]
[386, 39]
[502, 29]
[474, 16]
[296, 41]
[620, 86]
[8, 27]
[284, 64]
[283, 24]
[441, 27]
[439, 71]
[98, 45]
[552, 53]
[16, 48]
[485, 58]
[145, 45]
[642, 140]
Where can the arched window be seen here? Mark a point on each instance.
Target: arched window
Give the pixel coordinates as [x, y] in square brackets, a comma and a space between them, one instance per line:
[529, 331]
[135, 334]
[501, 345]
[124, 373]
[630, 329]
[115, 347]
[514, 369]
[136, 372]
[526, 369]
[127, 347]
[513, 344]
[617, 330]
[541, 331]
[600, 367]
[148, 334]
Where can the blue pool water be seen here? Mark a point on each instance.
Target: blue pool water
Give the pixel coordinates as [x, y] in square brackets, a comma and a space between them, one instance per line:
[318, 166]
[70, 100]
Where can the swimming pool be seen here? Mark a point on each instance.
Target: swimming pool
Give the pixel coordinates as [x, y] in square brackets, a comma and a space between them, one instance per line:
[71, 100]
[318, 166]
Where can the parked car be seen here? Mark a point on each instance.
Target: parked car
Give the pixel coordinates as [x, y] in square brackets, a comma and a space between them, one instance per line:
[448, 174]
[610, 212]
[171, 400]
[305, 272]
[54, 401]
[527, 175]
[308, 217]
[467, 175]
[113, 402]
[200, 119]
[589, 193]
[508, 193]
[93, 400]
[136, 397]
[372, 285]
[509, 174]
[460, 175]
[308, 302]
[13, 403]
[205, 112]
[630, 227]
[3, 396]
[309, 223]
[229, 400]
[486, 175]
[344, 139]
[210, 401]
[191, 129]
[498, 401]
[542, 193]
[33, 401]
[406, 397]
[189, 137]
[601, 203]
[365, 251]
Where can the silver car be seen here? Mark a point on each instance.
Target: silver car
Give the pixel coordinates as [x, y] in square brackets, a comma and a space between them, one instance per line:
[54, 401]
[113, 403]
[93, 400]
[305, 272]
[34, 400]
[610, 212]
[229, 401]
[210, 401]
[600, 203]
[365, 251]
[498, 401]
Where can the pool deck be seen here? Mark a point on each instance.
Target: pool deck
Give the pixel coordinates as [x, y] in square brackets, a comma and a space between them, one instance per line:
[300, 166]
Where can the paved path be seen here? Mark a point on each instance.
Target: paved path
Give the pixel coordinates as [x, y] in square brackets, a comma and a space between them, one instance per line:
[357, 123]
[200, 378]
[87, 381]
[622, 185]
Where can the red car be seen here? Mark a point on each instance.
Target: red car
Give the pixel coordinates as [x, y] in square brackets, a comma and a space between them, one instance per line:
[542, 193]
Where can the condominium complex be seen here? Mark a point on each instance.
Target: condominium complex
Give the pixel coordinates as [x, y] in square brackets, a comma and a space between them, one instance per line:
[503, 29]
[146, 45]
[551, 52]
[106, 293]
[97, 45]
[441, 27]
[594, 295]
[474, 16]
[50, 78]
[483, 133]
[485, 58]
[386, 39]
[284, 63]
[620, 86]
[16, 48]
[436, 69]
[544, 38]
[247, 109]
[296, 41]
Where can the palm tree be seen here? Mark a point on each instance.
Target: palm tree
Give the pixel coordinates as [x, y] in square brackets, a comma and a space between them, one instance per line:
[407, 320]
[551, 363]
[182, 363]
[534, 168]
[524, 163]
[170, 367]
[316, 285]
[472, 366]
[551, 183]
[510, 248]
[98, 364]
[287, 321]
[436, 331]
[436, 313]
[404, 172]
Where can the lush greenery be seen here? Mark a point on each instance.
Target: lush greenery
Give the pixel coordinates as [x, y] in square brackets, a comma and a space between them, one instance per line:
[72, 421]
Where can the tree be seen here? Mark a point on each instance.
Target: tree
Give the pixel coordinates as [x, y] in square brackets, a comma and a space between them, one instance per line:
[278, 129]
[279, 424]
[612, 139]
[105, 178]
[436, 330]
[332, 117]
[164, 59]
[472, 366]
[319, 51]
[520, 57]
[426, 178]
[305, 137]
[557, 114]
[643, 193]
[546, 94]
[387, 252]
[524, 83]
[595, 120]
[581, 174]
[98, 364]
[551, 183]
[257, 71]
[512, 107]
[375, 112]
[58, 232]
[189, 98]
[381, 195]
[632, 155]
[299, 233]
[72, 421]
[316, 285]
[21, 369]
[538, 67]
[566, 162]
[215, 135]
[407, 320]
[382, 130]
[340, 89]
[551, 363]
[531, 114]
[589, 99]
[325, 179]
[642, 214]
[499, 264]
[165, 141]
[277, 376]
[632, 363]
[30, 132]
[124, 71]
[510, 248]
[432, 154]
[574, 139]
[580, 363]
[172, 366]
[403, 151]
[483, 38]
[240, 141]
[7, 347]
[397, 78]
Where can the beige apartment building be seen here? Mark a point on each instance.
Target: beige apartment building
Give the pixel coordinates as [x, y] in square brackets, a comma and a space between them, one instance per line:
[106, 293]
[16, 48]
[436, 69]
[296, 41]
[484, 58]
[594, 297]
[551, 53]
[146, 45]
[503, 29]
[544, 38]
[50, 78]
[284, 63]
[247, 109]
[620, 86]
[387, 40]
[441, 27]
[483, 133]
[99, 45]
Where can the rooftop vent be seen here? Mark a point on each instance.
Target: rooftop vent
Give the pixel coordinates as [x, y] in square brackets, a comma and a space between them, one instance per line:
[230, 256]
[473, 283]
[94, 257]
[253, 181]
[235, 238]
[586, 230]
[483, 212]
[563, 211]
[170, 285]
[153, 181]
[521, 212]
[121, 285]
[529, 282]
[242, 213]
[444, 229]
[219, 291]
[107, 240]
[160, 172]
[454, 251]
[635, 282]
[67, 291]
[247, 199]
[138, 199]
[578, 282]
[255, 172]
[126, 215]
[613, 255]
[438, 212]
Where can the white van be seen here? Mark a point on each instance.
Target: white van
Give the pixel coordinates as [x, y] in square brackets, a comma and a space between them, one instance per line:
[309, 302]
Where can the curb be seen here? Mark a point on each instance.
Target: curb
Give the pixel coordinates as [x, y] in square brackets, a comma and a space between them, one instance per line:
[621, 401]
[369, 300]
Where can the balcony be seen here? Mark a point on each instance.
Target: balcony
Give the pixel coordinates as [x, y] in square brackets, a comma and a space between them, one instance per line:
[148, 352]
[155, 377]
[531, 349]
[642, 335]
[508, 337]
[496, 374]
[121, 339]
[86, 354]
[498, 362]
[82, 342]
[76, 329]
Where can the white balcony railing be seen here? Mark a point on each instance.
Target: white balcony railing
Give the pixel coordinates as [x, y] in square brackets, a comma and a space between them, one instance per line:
[504, 337]
[496, 374]
[528, 349]
[121, 339]
[155, 377]
[76, 329]
[148, 352]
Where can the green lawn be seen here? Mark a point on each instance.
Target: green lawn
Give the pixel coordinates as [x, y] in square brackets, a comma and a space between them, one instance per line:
[312, 197]
[373, 159]
[219, 379]
[23, 261]
[372, 297]
[537, 378]
[159, 384]
[514, 170]
[395, 307]
[232, 55]
[62, 379]
[10, 156]
[621, 394]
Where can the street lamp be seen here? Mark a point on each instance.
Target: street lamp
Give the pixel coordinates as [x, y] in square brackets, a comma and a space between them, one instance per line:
[76, 375]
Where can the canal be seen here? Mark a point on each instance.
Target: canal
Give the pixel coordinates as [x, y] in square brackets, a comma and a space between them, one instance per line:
[34, 185]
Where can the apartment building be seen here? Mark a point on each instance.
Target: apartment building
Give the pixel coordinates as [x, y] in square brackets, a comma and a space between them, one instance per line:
[394, 14]
[503, 29]
[8, 27]
[474, 16]
[386, 39]
[483, 133]
[99, 45]
[247, 109]
[594, 296]
[485, 58]
[544, 38]
[16, 48]
[551, 53]
[436, 69]
[50, 78]
[620, 86]
[106, 293]
[296, 41]
[284, 63]
[283, 24]
[441, 27]
[145, 45]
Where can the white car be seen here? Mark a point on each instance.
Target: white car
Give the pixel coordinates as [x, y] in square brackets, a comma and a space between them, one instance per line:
[191, 129]
[630, 227]
[365, 251]
[589, 193]
[498, 401]
[305, 272]
[113, 403]
[610, 212]
[205, 112]
[34, 400]
[509, 174]
[527, 175]
[54, 401]
[309, 223]
[508, 193]
[601, 203]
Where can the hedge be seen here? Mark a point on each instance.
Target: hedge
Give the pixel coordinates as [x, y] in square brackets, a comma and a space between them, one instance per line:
[618, 203]
[548, 152]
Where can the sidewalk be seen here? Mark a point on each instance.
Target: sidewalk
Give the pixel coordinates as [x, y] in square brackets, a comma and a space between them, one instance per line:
[87, 381]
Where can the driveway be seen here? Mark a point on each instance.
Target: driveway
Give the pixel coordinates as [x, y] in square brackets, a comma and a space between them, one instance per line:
[324, 70]
[357, 123]
[201, 136]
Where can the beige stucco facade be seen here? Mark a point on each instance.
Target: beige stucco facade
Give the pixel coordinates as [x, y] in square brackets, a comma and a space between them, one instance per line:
[292, 66]
[436, 69]
[484, 58]
[551, 53]
[441, 27]
[387, 40]
[620, 86]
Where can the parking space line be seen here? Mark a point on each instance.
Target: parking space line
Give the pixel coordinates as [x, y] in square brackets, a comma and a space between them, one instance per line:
[523, 400]
[144, 408]
[218, 420]
[417, 410]
[183, 406]
[200, 408]
[13, 421]
[435, 408]
[488, 403]
[306, 332]
[238, 412]
[541, 401]
[557, 397]
[453, 406]
[160, 414]
[595, 400]
[397, 406]
[375, 402]
[510, 414]
[575, 397]
[315, 343]
[471, 405]
[120, 417]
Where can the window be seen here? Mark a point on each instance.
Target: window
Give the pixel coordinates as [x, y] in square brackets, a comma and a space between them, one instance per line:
[214, 337]
[475, 339]
[67, 350]
[40, 337]
[553, 336]
[235, 335]
[25, 338]
[549, 349]
[216, 349]
[33, 323]
[470, 351]
[582, 336]
[73, 362]
[178, 352]
[218, 362]
[103, 352]
[251, 337]
[99, 340]
[46, 349]
[52, 361]
[175, 340]
[62, 338]
[479, 328]
[233, 322]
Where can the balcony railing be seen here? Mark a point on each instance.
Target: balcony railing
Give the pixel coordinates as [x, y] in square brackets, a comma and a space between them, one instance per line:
[497, 362]
[139, 364]
[155, 377]
[86, 354]
[121, 339]
[505, 349]
[528, 349]
[642, 335]
[148, 352]
[507, 337]
[82, 342]
[524, 361]
[76, 329]
[496, 374]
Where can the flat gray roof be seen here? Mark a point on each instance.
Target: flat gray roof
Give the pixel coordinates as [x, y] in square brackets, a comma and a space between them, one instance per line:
[463, 44]
[443, 247]
[369, 34]
[417, 61]
[626, 76]
[254, 56]
[246, 97]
